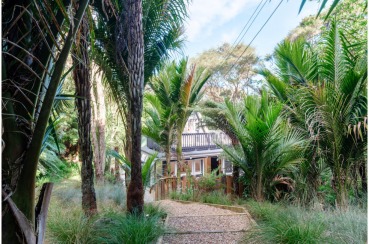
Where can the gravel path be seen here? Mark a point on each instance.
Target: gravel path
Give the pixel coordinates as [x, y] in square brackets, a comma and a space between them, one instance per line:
[200, 223]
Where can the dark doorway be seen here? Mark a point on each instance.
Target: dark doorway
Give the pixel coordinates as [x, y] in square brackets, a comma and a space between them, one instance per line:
[214, 164]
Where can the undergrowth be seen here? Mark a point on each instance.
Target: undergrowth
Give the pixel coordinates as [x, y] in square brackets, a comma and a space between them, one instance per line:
[289, 224]
[111, 224]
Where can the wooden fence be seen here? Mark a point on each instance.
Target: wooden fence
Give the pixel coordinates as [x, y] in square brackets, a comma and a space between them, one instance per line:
[165, 186]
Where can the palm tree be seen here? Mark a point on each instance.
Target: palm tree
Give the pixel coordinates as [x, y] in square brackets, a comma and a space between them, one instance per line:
[268, 147]
[82, 77]
[161, 28]
[332, 103]
[191, 92]
[214, 117]
[160, 124]
[35, 50]
[176, 92]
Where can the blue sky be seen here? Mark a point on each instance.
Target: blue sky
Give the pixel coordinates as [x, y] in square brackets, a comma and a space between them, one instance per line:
[213, 22]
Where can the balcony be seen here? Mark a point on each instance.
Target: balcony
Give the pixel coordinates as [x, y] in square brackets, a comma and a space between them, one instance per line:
[196, 142]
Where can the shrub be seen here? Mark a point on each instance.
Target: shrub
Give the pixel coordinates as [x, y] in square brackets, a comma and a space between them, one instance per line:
[209, 182]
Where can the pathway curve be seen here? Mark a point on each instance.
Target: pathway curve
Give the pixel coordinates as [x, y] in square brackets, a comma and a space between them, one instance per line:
[200, 223]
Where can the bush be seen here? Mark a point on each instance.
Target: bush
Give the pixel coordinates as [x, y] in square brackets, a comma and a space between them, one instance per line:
[209, 182]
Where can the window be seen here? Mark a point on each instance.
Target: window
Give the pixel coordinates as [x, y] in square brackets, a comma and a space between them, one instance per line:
[197, 166]
[227, 167]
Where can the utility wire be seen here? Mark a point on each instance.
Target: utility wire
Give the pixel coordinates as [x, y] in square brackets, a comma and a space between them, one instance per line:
[235, 43]
[247, 47]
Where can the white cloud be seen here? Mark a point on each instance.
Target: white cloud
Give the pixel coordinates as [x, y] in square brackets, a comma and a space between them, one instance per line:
[206, 15]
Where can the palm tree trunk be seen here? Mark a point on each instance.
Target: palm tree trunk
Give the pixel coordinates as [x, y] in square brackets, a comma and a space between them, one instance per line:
[81, 75]
[362, 172]
[259, 181]
[98, 126]
[116, 167]
[235, 168]
[167, 159]
[179, 157]
[135, 192]
[339, 185]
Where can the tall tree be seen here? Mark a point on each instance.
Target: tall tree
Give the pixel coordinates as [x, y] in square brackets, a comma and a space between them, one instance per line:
[163, 29]
[98, 123]
[131, 19]
[160, 122]
[331, 100]
[82, 81]
[232, 71]
[192, 81]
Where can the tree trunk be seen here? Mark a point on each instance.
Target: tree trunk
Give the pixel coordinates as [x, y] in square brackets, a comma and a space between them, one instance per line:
[259, 181]
[81, 75]
[167, 159]
[179, 157]
[339, 186]
[116, 167]
[135, 46]
[362, 172]
[235, 168]
[98, 125]
[236, 177]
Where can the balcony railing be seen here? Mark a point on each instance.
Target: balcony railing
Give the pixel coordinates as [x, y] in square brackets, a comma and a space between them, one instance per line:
[196, 142]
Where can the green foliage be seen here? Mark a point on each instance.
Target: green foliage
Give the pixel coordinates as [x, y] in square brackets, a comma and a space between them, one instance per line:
[269, 148]
[107, 227]
[324, 97]
[119, 228]
[232, 71]
[209, 182]
[110, 225]
[111, 193]
[147, 167]
[289, 224]
[184, 196]
[152, 209]
[216, 197]
[68, 227]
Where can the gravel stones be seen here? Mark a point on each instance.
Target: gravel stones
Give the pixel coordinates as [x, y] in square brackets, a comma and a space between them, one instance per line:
[199, 223]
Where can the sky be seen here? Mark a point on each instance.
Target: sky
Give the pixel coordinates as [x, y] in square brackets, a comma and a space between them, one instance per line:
[213, 22]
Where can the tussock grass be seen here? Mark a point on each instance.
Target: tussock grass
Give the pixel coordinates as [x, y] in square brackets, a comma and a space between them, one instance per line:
[214, 197]
[290, 224]
[132, 228]
[66, 222]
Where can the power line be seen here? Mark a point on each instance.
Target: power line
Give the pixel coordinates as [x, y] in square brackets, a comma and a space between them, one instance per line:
[235, 43]
[247, 47]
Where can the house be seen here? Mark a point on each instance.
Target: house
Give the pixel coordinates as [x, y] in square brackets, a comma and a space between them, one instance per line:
[200, 152]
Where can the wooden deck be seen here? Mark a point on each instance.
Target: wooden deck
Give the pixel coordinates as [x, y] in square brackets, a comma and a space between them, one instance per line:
[196, 142]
